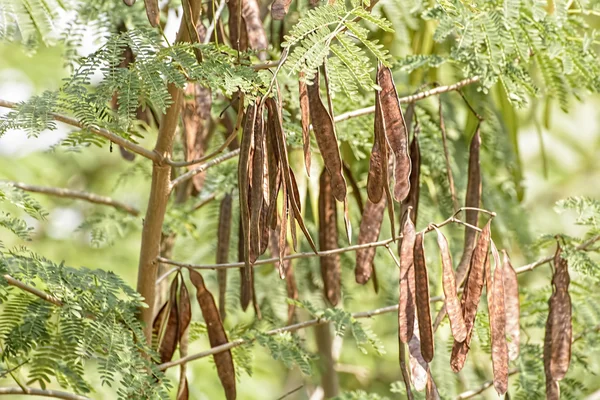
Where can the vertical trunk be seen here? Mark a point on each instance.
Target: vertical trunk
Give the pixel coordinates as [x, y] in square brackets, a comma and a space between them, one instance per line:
[329, 378]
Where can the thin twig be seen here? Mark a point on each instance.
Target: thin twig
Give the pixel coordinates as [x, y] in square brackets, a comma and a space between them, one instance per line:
[76, 194]
[290, 392]
[203, 202]
[57, 394]
[474, 392]
[201, 168]
[135, 148]
[36, 292]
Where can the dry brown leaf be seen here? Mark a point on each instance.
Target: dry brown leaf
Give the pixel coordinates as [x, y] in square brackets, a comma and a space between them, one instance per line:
[328, 240]
[370, 227]
[422, 299]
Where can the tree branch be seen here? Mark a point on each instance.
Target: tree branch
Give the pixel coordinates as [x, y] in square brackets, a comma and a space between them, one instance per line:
[487, 384]
[57, 394]
[29, 289]
[201, 168]
[75, 194]
[135, 148]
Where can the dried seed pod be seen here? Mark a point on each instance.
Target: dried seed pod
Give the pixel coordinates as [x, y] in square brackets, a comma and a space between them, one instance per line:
[223, 237]
[245, 284]
[170, 336]
[256, 186]
[422, 299]
[255, 31]
[244, 177]
[304, 111]
[324, 129]
[370, 226]
[196, 119]
[286, 271]
[418, 366]
[406, 303]
[431, 390]
[152, 11]
[279, 9]
[238, 36]
[560, 319]
[328, 239]
[185, 310]
[512, 307]
[355, 188]
[404, 370]
[375, 176]
[129, 2]
[216, 335]
[396, 132]
[497, 315]
[457, 322]
[471, 296]
[183, 392]
[552, 386]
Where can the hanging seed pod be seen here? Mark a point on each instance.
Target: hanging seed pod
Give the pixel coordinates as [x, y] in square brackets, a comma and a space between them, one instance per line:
[370, 227]
[196, 120]
[285, 271]
[387, 161]
[512, 307]
[328, 239]
[552, 386]
[471, 296]
[152, 11]
[129, 2]
[375, 180]
[431, 390]
[304, 114]
[457, 322]
[238, 36]
[255, 31]
[422, 299]
[406, 304]
[244, 180]
[185, 317]
[223, 237]
[497, 315]
[170, 332]
[324, 129]
[246, 285]
[279, 9]
[216, 335]
[560, 319]
[396, 132]
[418, 366]
[256, 186]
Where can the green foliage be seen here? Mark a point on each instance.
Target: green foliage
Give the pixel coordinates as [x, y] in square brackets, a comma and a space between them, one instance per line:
[286, 348]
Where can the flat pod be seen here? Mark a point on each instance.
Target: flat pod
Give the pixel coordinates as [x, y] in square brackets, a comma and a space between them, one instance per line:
[396, 132]
[328, 240]
[512, 307]
[375, 179]
[324, 129]
[422, 299]
[279, 9]
[223, 239]
[406, 299]
[304, 117]
[196, 120]
[431, 390]
[256, 186]
[170, 332]
[457, 322]
[244, 182]
[255, 31]
[152, 11]
[216, 335]
[497, 315]
[370, 227]
[418, 366]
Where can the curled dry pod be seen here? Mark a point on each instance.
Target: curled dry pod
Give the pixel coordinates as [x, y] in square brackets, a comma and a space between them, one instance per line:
[216, 335]
[396, 132]
[255, 31]
[324, 129]
[223, 238]
[170, 332]
[152, 11]
[256, 186]
[512, 307]
[418, 366]
[497, 315]
[457, 322]
[422, 299]
[471, 296]
[406, 302]
[560, 319]
[304, 115]
[280, 8]
[370, 226]
[328, 240]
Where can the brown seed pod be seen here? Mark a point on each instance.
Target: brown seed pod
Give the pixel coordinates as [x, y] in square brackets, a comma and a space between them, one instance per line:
[560, 317]
[328, 239]
[412, 200]
[152, 11]
[256, 186]
[279, 9]
[304, 112]
[246, 285]
[422, 299]
[216, 335]
[129, 2]
[418, 366]
[457, 322]
[196, 120]
[552, 386]
[370, 226]
[244, 180]
[497, 315]
[375, 176]
[286, 271]
[223, 238]
[404, 370]
[255, 31]
[170, 332]
[396, 132]
[238, 36]
[324, 129]
[406, 303]
[431, 390]
[512, 307]
[471, 296]
[185, 317]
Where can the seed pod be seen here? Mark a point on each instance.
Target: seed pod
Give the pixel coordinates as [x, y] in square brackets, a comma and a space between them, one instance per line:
[497, 315]
[404, 370]
[245, 283]
[255, 31]
[431, 390]
[223, 237]
[559, 317]
[216, 335]
[328, 239]
[185, 317]
[406, 304]
[370, 226]
[387, 161]
[238, 36]
[412, 200]
[324, 129]
[152, 11]
[418, 366]
[457, 322]
[244, 182]
[422, 299]
[129, 2]
[375, 176]
[280, 8]
[196, 120]
[286, 271]
[256, 188]
[512, 307]
[396, 132]
[552, 387]
[304, 111]
[168, 340]
[471, 296]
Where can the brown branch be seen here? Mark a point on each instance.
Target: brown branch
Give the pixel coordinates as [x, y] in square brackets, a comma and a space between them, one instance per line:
[201, 168]
[76, 194]
[487, 384]
[29, 289]
[135, 148]
[57, 394]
